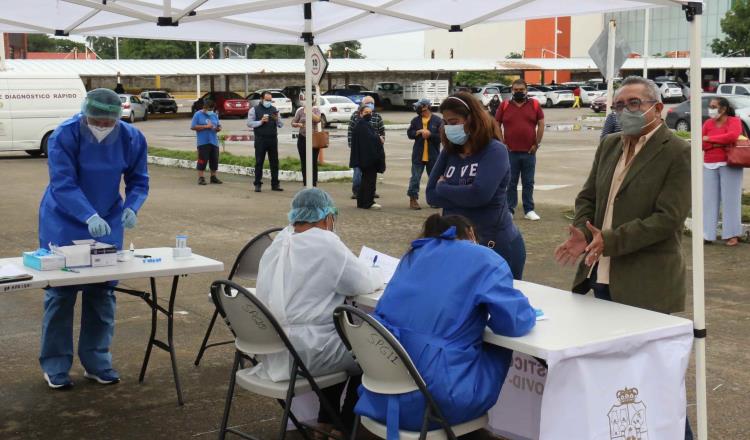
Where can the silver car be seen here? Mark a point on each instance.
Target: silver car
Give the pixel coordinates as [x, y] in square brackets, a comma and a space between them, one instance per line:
[133, 108]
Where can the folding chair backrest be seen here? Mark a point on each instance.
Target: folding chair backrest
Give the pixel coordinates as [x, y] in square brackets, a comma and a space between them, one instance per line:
[256, 330]
[248, 260]
[386, 367]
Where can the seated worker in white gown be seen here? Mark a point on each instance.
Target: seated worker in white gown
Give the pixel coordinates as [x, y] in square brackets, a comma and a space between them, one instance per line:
[303, 276]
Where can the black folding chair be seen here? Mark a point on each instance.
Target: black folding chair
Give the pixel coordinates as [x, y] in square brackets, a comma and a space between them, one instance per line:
[258, 332]
[388, 369]
[245, 267]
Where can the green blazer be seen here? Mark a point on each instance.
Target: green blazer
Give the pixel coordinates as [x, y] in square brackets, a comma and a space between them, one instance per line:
[647, 267]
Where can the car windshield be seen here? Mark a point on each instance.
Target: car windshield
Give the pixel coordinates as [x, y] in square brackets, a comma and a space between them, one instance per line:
[123, 99]
[339, 100]
[673, 85]
[158, 95]
[587, 88]
[476, 90]
[277, 95]
[231, 95]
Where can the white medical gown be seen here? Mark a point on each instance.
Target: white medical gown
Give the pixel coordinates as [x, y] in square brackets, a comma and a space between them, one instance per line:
[302, 278]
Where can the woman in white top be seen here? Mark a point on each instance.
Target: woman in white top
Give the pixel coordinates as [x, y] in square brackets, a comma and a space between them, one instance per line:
[303, 276]
[299, 121]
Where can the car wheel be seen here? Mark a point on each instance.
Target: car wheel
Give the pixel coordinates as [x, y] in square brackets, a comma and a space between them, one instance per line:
[145, 116]
[151, 109]
[548, 104]
[745, 130]
[323, 121]
[42, 147]
[682, 125]
[387, 104]
[131, 118]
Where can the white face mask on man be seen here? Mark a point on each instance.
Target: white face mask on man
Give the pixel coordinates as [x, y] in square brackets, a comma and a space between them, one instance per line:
[100, 133]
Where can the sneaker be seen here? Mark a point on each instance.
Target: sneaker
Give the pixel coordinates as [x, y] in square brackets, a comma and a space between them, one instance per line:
[216, 180]
[201, 181]
[531, 215]
[277, 188]
[376, 207]
[58, 381]
[104, 377]
[257, 188]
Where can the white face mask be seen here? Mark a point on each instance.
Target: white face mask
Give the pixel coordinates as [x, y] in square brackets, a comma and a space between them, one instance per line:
[100, 133]
[713, 113]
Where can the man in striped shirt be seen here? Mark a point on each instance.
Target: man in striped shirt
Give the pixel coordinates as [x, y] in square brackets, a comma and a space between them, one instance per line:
[377, 124]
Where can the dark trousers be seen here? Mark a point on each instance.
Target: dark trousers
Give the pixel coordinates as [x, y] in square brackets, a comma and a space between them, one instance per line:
[366, 194]
[302, 156]
[208, 154]
[601, 291]
[514, 253]
[333, 396]
[522, 165]
[268, 145]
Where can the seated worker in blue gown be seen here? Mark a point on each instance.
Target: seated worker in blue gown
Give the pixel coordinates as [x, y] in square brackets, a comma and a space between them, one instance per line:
[444, 293]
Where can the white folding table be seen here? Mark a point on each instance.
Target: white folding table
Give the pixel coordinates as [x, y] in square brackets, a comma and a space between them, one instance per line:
[594, 349]
[134, 269]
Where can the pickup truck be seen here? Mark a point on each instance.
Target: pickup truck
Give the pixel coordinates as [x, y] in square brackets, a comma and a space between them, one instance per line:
[394, 94]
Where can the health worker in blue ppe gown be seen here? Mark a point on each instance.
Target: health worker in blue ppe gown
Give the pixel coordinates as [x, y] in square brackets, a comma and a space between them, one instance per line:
[88, 156]
[446, 290]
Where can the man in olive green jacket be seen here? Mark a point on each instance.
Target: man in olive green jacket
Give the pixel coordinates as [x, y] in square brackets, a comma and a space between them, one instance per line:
[630, 213]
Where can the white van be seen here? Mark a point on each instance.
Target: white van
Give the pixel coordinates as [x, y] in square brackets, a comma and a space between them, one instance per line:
[33, 105]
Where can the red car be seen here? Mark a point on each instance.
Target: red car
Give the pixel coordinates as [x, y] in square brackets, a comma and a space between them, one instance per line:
[227, 104]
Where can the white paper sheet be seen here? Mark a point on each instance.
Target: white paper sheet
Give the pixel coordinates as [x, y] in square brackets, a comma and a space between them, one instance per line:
[386, 263]
[11, 270]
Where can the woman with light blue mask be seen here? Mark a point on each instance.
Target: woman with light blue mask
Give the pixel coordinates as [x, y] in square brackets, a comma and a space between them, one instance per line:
[471, 177]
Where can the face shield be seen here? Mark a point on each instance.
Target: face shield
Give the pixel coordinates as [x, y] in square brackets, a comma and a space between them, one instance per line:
[101, 111]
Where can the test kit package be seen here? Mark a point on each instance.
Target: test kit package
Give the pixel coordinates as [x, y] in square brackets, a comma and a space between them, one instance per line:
[42, 259]
[103, 254]
[85, 253]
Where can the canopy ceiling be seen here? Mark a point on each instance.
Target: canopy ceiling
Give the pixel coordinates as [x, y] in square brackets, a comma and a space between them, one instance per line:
[282, 21]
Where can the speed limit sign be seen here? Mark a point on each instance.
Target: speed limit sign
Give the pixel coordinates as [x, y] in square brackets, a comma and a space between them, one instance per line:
[318, 65]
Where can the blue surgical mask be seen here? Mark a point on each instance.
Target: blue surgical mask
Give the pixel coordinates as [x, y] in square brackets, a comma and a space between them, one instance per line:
[370, 105]
[456, 134]
[210, 113]
[267, 104]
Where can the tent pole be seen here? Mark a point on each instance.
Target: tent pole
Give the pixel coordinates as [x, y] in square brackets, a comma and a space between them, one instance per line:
[2, 51]
[611, 65]
[646, 32]
[308, 97]
[696, 122]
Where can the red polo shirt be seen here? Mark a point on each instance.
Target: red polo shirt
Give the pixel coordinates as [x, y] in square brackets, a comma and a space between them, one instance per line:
[519, 124]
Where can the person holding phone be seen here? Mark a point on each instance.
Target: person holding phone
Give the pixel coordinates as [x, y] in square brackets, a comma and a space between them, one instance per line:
[265, 121]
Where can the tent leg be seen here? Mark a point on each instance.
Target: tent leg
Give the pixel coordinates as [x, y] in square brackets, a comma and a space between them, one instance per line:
[699, 318]
[611, 46]
[308, 98]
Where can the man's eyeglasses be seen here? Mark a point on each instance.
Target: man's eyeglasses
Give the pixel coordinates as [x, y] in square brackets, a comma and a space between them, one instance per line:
[632, 105]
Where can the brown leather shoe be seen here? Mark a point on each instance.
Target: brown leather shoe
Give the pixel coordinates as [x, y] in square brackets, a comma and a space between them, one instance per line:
[414, 204]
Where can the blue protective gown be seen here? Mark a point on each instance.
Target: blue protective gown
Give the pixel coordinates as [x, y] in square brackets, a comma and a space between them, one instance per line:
[437, 305]
[85, 178]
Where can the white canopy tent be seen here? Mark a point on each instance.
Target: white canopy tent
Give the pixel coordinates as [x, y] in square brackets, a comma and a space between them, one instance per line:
[327, 21]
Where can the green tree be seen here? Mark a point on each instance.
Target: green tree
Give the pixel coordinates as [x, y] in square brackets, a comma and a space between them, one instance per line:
[156, 49]
[44, 43]
[265, 51]
[514, 56]
[103, 46]
[736, 26]
[339, 50]
[480, 78]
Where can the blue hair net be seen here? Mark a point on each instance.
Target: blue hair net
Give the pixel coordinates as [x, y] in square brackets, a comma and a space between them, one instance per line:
[311, 205]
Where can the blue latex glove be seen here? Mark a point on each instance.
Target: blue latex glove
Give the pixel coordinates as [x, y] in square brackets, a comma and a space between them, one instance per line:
[128, 218]
[98, 227]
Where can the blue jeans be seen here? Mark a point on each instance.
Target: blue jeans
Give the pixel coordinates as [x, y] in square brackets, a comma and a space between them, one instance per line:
[416, 176]
[514, 253]
[522, 165]
[356, 180]
[601, 291]
[97, 328]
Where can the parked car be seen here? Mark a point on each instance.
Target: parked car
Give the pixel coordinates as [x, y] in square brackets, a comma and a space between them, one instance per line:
[733, 89]
[280, 101]
[159, 101]
[599, 104]
[227, 104]
[357, 88]
[485, 93]
[589, 94]
[670, 91]
[355, 96]
[28, 120]
[557, 96]
[133, 108]
[391, 94]
[296, 94]
[506, 94]
[678, 118]
[336, 109]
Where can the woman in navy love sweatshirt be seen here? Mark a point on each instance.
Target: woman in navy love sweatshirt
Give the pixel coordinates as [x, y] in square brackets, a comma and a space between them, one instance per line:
[471, 177]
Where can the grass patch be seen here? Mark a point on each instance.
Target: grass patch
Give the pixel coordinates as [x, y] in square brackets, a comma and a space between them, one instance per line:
[286, 164]
[388, 122]
[682, 134]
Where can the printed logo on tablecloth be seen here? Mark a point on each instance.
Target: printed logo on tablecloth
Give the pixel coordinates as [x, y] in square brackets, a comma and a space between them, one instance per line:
[627, 420]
